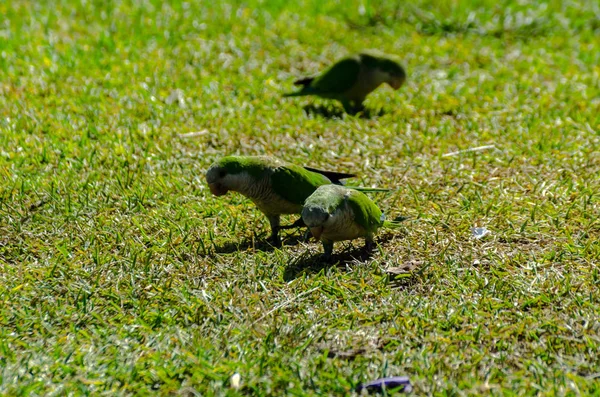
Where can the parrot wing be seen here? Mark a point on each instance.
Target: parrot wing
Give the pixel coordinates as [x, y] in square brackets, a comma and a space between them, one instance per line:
[295, 183]
[366, 212]
[339, 78]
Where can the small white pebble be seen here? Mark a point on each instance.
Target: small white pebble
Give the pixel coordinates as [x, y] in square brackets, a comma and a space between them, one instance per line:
[479, 232]
[235, 381]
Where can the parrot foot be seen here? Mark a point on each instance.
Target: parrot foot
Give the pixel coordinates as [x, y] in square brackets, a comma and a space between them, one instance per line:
[352, 107]
[274, 241]
[359, 108]
[369, 246]
[307, 236]
[328, 250]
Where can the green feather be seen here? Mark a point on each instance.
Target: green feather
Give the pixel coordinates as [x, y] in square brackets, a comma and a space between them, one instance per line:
[254, 166]
[366, 212]
[295, 183]
[329, 199]
[339, 78]
[384, 62]
[369, 189]
[396, 223]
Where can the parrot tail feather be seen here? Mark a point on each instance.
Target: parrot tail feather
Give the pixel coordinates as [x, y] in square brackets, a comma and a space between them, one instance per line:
[369, 189]
[335, 177]
[397, 222]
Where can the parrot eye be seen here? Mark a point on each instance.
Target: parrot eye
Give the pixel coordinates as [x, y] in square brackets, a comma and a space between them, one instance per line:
[222, 173]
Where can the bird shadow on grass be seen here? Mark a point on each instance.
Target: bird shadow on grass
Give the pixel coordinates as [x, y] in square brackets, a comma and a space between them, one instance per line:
[330, 112]
[254, 244]
[312, 264]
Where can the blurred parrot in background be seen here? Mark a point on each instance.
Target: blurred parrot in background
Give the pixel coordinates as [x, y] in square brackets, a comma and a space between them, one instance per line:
[275, 186]
[336, 213]
[351, 79]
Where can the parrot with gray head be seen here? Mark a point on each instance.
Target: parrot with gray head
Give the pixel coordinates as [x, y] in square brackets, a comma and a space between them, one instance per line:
[336, 213]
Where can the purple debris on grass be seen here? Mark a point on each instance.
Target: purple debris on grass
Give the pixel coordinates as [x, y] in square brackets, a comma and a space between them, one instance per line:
[402, 383]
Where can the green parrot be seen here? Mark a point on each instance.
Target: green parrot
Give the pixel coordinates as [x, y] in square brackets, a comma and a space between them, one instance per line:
[351, 79]
[336, 213]
[275, 186]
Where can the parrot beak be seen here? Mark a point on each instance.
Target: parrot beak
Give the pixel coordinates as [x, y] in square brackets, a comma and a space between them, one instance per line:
[217, 189]
[316, 232]
[396, 83]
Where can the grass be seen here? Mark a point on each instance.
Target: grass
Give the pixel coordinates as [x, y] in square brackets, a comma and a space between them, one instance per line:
[121, 274]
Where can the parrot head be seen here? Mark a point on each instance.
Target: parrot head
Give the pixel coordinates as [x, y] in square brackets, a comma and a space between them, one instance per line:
[232, 173]
[216, 177]
[386, 67]
[396, 76]
[315, 217]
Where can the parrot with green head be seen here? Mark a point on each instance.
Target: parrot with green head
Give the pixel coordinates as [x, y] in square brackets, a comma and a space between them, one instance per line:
[275, 186]
[351, 79]
[336, 213]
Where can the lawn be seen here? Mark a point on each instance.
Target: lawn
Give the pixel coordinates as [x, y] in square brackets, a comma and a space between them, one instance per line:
[121, 274]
